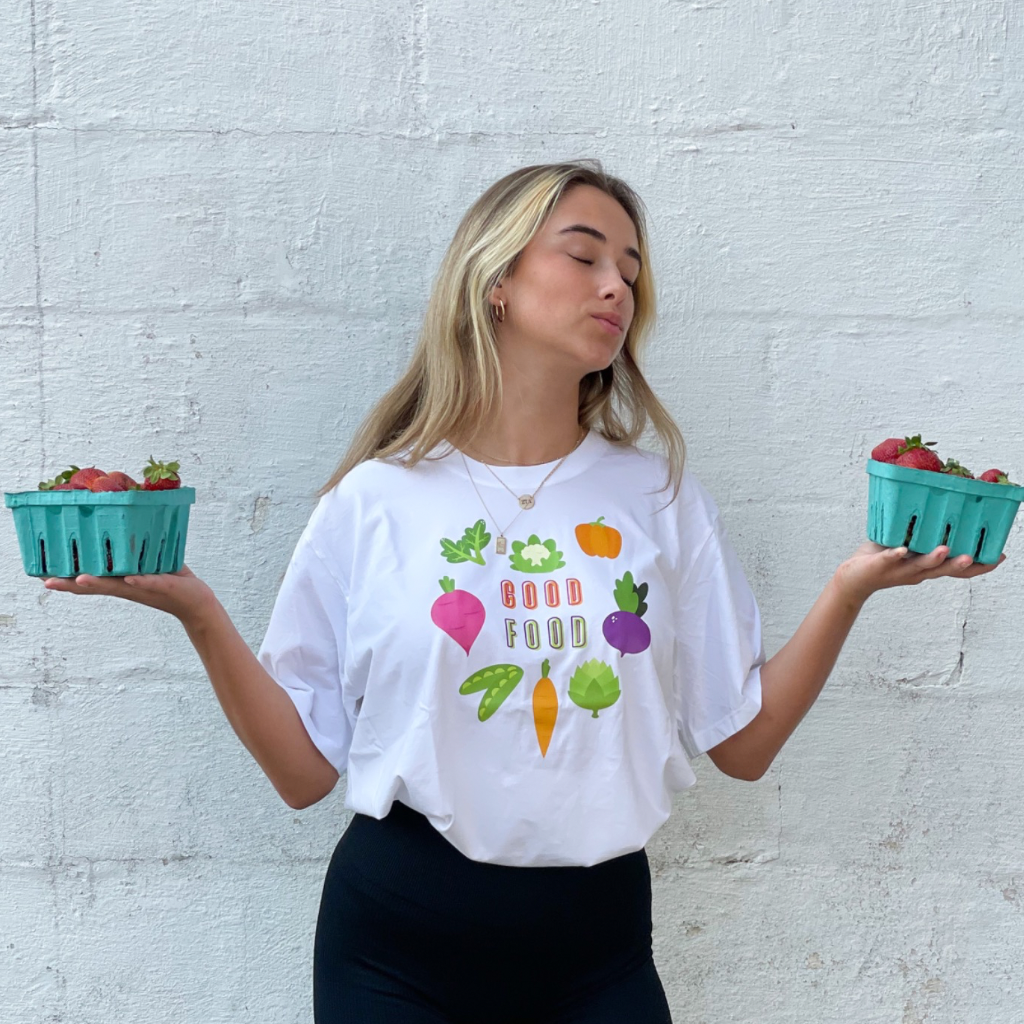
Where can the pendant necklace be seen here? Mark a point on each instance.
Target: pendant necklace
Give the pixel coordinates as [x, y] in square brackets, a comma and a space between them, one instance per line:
[526, 501]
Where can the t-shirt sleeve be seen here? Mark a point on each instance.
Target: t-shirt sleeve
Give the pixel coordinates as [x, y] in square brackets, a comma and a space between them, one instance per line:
[304, 650]
[719, 648]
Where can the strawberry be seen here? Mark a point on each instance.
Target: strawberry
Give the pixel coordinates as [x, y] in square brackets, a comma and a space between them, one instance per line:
[892, 447]
[123, 478]
[113, 482]
[60, 481]
[914, 455]
[81, 480]
[996, 476]
[887, 450]
[104, 483]
[161, 476]
[953, 468]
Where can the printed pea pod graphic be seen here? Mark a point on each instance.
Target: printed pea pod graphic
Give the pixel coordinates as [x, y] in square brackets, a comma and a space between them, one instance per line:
[497, 682]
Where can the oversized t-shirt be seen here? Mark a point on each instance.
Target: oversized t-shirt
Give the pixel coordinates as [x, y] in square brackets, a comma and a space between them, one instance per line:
[541, 706]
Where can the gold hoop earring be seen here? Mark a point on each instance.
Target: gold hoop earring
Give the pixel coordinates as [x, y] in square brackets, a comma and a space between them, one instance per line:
[501, 317]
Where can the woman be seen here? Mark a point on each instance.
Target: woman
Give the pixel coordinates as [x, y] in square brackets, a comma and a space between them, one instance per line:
[511, 645]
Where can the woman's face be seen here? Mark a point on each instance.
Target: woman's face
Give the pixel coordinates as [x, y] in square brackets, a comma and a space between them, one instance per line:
[565, 279]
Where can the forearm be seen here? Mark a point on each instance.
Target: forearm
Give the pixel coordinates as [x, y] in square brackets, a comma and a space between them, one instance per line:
[259, 710]
[790, 683]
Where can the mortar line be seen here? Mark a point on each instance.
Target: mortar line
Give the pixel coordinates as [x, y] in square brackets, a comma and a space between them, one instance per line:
[52, 856]
[40, 325]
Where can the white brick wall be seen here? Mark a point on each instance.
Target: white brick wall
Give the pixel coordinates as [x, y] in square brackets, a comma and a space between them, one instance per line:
[220, 223]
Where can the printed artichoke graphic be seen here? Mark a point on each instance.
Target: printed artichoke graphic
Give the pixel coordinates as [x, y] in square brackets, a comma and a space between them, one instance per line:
[594, 686]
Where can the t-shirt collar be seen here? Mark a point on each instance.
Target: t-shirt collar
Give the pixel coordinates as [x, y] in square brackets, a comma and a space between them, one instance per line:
[590, 449]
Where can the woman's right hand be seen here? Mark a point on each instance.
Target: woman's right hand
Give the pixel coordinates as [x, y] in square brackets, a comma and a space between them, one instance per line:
[181, 594]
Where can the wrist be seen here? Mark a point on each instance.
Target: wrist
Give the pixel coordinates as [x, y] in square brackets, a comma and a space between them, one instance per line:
[201, 616]
[851, 598]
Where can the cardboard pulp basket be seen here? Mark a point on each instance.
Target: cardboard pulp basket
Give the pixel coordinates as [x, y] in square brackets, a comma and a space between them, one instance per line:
[921, 509]
[107, 533]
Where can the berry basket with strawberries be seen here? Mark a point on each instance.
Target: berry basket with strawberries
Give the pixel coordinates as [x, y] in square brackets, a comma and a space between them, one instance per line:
[103, 524]
[917, 501]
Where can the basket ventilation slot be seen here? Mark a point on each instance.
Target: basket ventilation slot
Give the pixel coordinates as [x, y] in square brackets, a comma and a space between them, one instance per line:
[142, 554]
[910, 533]
[110, 556]
[42, 552]
[74, 555]
[981, 541]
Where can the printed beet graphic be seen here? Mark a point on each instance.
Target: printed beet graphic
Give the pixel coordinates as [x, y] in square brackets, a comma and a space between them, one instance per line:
[459, 613]
[625, 630]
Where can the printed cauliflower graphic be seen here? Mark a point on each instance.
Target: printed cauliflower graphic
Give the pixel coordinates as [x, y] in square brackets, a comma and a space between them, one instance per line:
[535, 555]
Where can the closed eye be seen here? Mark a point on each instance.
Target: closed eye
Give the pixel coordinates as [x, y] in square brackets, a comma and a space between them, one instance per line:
[632, 284]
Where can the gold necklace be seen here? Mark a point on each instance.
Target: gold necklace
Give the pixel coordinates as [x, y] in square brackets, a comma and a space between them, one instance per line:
[526, 501]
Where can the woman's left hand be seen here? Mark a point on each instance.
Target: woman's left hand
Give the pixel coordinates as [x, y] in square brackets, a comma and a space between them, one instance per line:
[872, 568]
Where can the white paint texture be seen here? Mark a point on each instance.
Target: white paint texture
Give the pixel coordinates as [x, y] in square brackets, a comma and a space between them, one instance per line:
[220, 224]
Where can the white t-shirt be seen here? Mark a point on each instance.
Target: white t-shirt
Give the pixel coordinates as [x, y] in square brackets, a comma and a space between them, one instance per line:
[414, 651]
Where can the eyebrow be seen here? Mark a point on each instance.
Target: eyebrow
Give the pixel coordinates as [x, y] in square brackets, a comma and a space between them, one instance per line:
[600, 237]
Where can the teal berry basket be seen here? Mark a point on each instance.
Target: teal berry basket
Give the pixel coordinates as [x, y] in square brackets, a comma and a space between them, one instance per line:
[106, 533]
[920, 509]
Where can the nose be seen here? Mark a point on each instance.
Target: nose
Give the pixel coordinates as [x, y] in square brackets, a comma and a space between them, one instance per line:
[613, 287]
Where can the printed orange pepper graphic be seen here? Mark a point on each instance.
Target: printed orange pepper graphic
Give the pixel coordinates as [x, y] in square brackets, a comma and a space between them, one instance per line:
[599, 540]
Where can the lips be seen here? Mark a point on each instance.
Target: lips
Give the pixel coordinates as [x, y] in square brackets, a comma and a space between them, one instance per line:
[613, 318]
[615, 326]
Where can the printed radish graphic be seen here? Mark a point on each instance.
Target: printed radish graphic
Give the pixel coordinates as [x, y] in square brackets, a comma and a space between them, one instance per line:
[625, 630]
[459, 613]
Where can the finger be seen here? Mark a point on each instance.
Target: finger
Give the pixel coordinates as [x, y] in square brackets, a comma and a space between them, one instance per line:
[980, 568]
[930, 559]
[963, 567]
[104, 586]
[929, 565]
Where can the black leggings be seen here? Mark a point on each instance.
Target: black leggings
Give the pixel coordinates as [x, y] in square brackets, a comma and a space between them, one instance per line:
[411, 931]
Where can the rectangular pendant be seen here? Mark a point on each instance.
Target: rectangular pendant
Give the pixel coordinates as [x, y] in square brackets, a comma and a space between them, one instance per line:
[499, 545]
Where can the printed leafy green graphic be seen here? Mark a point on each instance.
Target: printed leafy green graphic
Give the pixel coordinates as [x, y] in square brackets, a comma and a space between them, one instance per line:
[469, 547]
[536, 555]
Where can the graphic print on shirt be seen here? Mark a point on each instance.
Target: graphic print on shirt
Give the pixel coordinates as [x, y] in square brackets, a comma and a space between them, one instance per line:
[594, 686]
[535, 555]
[625, 630]
[497, 682]
[458, 613]
[545, 708]
[544, 613]
[598, 539]
[469, 547]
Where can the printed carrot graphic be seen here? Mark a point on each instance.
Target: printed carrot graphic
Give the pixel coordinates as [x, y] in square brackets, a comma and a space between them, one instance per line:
[545, 708]
[459, 613]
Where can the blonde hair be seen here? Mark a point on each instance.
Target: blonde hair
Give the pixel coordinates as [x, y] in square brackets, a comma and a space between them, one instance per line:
[453, 382]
